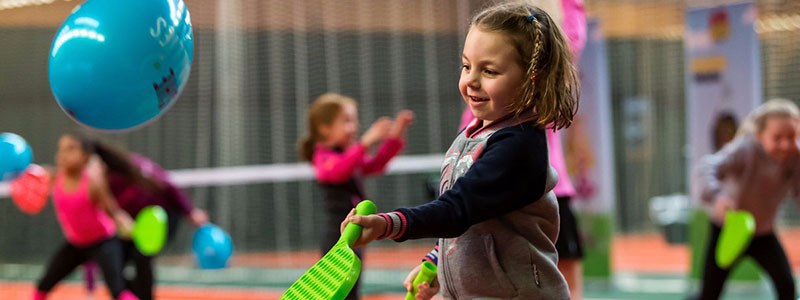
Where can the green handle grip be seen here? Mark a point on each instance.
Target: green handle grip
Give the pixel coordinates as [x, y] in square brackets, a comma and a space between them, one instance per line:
[352, 231]
[427, 272]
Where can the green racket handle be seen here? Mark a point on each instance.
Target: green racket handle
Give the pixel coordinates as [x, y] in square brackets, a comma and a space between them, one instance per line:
[427, 272]
[352, 231]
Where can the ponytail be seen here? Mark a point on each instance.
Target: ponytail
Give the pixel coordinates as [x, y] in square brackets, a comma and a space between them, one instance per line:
[306, 148]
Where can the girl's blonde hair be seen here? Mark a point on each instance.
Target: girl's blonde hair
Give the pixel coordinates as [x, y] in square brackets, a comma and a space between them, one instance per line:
[550, 86]
[757, 119]
[323, 111]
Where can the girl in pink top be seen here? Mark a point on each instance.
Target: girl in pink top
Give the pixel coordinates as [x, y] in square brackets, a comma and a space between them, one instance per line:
[137, 182]
[89, 217]
[340, 161]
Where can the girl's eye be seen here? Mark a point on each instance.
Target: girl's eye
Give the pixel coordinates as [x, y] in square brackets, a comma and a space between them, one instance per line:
[490, 72]
[465, 67]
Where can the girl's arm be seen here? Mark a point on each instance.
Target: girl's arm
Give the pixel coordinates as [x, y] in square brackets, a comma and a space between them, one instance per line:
[49, 172]
[153, 171]
[729, 161]
[388, 150]
[100, 194]
[505, 178]
[178, 197]
[391, 146]
[332, 167]
[574, 26]
[174, 195]
[198, 216]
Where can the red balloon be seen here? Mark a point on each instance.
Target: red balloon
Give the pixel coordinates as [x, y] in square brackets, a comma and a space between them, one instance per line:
[30, 190]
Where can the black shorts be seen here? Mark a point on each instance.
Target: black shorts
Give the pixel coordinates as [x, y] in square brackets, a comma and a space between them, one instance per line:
[568, 244]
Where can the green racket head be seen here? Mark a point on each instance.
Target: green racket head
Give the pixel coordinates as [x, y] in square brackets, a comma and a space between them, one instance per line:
[735, 237]
[334, 275]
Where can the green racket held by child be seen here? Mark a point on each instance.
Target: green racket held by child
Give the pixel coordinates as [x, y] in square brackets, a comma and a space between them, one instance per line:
[427, 272]
[334, 275]
[737, 232]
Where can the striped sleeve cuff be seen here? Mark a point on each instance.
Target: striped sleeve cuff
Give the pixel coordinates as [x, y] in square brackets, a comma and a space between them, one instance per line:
[433, 256]
[395, 225]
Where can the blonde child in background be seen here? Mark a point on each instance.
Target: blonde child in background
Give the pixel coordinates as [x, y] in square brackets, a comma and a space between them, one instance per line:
[754, 173]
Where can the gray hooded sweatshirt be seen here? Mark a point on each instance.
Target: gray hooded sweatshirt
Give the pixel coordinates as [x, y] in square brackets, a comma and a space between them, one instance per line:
[497, 215]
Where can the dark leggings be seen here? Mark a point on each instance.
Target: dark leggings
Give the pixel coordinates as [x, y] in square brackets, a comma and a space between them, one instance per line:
[107, 254]
[142, 283]
[765, 249]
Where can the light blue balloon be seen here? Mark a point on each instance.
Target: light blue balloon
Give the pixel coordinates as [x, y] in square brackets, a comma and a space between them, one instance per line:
[15, 155]
[212, 247]
[118, 64]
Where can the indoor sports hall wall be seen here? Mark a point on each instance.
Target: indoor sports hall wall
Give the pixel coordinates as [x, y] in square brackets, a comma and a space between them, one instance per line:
[259, 63]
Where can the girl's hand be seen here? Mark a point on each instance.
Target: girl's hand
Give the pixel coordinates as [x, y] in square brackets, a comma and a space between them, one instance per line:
[124, 224]
[425, 290]
[376, 132]
[401, 122]
[50, 169]
[372, 227]
[198, 217]
[721, 205]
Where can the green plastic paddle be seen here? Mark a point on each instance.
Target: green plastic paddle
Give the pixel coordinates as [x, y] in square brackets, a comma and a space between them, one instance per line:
[427, 272]
[150, 230]
[334, 275]
[735, 237]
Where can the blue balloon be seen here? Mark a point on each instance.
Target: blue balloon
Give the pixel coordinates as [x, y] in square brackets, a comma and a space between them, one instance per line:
[118, 64]
[15, 155]
[212, 246]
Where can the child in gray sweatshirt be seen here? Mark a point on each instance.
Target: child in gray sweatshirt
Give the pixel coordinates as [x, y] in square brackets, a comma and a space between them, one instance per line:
[754, 173]
[497, 218]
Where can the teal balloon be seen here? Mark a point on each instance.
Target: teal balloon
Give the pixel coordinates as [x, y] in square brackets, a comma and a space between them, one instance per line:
[150, 230]
[118, 64]
[212, 247]
[15, 155]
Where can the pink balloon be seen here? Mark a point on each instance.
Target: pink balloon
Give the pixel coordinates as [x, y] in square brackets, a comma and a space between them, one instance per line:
[29, 191]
